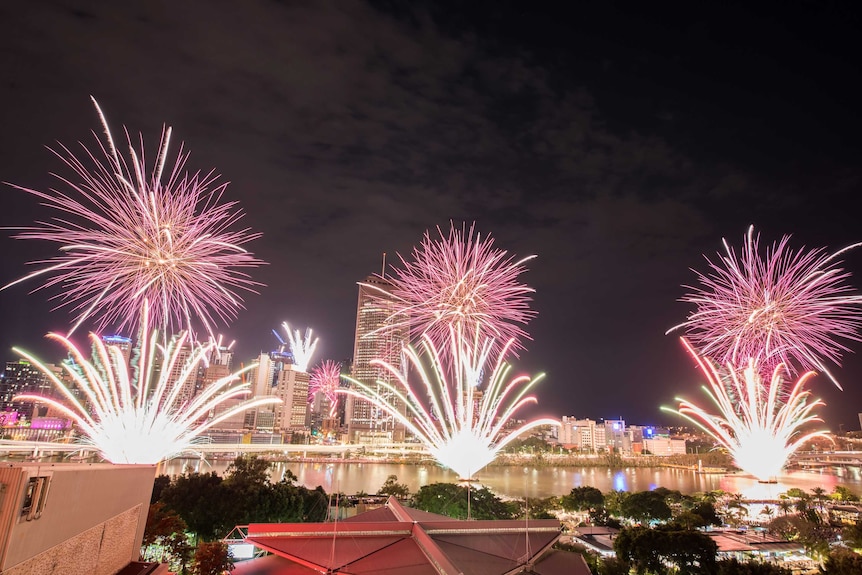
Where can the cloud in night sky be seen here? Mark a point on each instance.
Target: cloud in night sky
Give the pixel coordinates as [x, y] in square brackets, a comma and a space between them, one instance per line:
[347, 129]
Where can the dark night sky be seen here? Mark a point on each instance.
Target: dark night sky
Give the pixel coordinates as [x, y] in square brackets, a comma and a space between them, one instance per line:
[619, 145]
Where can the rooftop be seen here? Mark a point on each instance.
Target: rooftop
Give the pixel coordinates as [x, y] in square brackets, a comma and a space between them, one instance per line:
[398, 540]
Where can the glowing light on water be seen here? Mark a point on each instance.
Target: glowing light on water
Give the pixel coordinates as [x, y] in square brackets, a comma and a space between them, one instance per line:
[135, 413]
[461, 280]
[126, 236]
[326, 380]
[301, 347]
[785, 307]
[759, 423]
[461, 422]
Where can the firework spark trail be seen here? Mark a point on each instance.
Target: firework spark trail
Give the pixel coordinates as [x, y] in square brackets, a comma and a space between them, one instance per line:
[126, 237]
[326, 379]
[137, 413]
[461, 280]
[460, 429]
[790, 307]
[760, 427]
[301, 347]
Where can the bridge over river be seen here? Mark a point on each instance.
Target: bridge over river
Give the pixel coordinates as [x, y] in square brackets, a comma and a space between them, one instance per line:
[822, 459]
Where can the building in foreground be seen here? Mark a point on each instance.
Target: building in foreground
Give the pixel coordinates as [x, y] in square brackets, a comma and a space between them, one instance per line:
[60, 518]
[398, 540]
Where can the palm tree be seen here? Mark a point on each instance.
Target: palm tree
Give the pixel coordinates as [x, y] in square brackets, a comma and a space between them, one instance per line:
[819, 495]
[768, 511]
[785, 505]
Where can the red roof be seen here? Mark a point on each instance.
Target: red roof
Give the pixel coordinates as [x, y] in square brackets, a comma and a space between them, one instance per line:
[397, 540]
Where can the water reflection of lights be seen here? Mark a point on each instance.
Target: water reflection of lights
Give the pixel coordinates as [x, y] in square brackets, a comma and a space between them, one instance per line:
[750, 488]
[509, 481]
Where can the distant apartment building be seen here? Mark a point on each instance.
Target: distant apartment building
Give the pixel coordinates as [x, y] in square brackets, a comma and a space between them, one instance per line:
[578, 434]
[590, 436]
[376, 338]
[20, 377]
[664, 446]
[616, 438]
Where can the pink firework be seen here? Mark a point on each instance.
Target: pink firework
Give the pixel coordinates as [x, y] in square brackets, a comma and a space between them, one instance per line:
[326, 379]
[461, 280]
[126, 236]
[787, 307]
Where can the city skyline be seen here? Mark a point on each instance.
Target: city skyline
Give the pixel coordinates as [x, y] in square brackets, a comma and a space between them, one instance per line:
[617, 146]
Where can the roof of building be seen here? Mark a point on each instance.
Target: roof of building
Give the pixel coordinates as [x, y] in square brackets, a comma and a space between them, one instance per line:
[752, 542]
[398, 540]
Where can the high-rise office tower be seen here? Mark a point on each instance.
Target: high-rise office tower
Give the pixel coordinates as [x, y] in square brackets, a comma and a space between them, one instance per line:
[376, 338]
[291, 386]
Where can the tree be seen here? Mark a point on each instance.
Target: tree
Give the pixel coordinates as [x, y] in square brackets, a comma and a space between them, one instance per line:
[841, 493]
[392, 488]
[250, 470]
[200, 500]
[852, 535]
[785, 505]
[819, 496]
[165, 537]
[813, 534]
[451, 500]
[212, 558]
[538, 508]
[706, 511]
[583, 499]
[645, 506]
[842, 561]
[648, 550]
[614, 501]
[160, 483]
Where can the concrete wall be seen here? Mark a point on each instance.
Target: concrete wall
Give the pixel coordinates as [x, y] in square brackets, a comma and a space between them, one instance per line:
[92, 520]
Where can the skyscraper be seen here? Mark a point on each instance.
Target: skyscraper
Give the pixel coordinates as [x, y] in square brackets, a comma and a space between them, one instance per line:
[375, 339]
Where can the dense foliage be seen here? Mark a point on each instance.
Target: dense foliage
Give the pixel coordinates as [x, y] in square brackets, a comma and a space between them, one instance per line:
[452, 500]
[211, 506]
[648, 550]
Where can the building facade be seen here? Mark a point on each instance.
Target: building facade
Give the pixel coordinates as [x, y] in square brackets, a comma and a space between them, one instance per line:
[376, 338]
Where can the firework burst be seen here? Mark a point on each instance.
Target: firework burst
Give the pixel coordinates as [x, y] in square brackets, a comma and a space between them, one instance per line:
[460, 422]
[461, 280]
[126, 236]
[301, 347]
[137, 413]
[326, 380]
[759, 423]
[789, 307]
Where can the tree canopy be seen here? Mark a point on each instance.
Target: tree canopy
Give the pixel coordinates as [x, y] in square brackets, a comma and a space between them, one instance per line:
[451, 500]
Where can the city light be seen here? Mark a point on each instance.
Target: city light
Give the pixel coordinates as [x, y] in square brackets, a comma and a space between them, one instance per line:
[787, 307]
[326, 379]
[126, 236]
[137, 413]
[461, 421]
[759, 423]
[461, 280]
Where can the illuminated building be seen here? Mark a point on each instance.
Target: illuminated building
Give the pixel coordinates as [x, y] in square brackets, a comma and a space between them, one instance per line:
[376, 338]
[21, 377]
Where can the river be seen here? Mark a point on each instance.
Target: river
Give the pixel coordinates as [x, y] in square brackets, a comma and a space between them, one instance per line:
[537, 482]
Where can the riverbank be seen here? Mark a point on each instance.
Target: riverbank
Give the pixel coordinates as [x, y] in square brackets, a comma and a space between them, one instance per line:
[518, 481]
